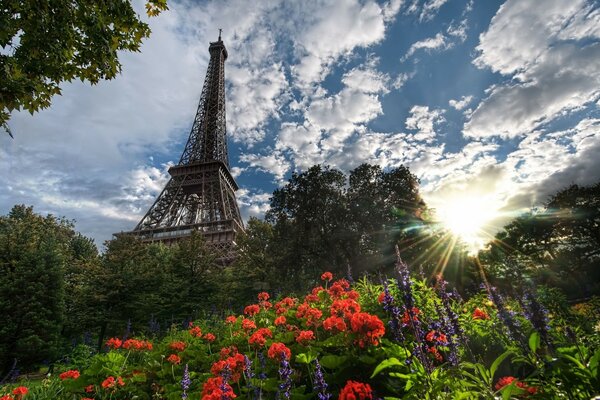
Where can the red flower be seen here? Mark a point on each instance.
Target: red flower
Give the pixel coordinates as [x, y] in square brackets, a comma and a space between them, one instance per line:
[352, 294]
[6, 397]
[235, 364]
[480, 314]
[196, 331]
[114, 343]
[259, 337]
[433, 350]
[252, 309]
[356, 391]
[177, 346]
[263, 296]
[406, 317]
[248, 324]
[277, 350]
[507, 380]
[86, 398]
[216, 389]
[111, 382]
[381, 297]
[227, 351]
[70, 374]
[311, 298]
[283, 306]
[436, 336]
[174, 359]
[311, 314]
[209, 337]
[89, 389]
[305, 336]
[137, 344]
[369, 327]
[336, 323]
[327, 276]
[345, 308]
[231, 319]
[279, 320]
[20, 391]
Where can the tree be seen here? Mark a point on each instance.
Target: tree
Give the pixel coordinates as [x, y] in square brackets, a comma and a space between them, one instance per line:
[50, 42]
[557, 244]
[34, 251]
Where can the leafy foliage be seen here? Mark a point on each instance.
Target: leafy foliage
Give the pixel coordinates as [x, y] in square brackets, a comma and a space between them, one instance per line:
[50, 42]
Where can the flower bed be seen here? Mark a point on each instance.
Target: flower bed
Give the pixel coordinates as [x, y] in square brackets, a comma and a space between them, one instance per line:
[398, 339]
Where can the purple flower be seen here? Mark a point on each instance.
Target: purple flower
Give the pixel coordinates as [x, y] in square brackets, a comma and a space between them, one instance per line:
[537, 314]
[394, 311]
[185, 382]
[320, 384]
[513, 328]
[285, 377]
[248, 375]
[405, 287]
[225, 388]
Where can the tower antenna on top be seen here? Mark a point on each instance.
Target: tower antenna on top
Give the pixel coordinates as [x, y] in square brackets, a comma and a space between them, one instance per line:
[220, 30]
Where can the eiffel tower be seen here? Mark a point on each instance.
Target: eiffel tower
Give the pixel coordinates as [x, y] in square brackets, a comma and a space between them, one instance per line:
[201, 192]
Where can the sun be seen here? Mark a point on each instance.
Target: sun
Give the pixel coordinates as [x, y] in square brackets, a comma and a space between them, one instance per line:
[469, 218]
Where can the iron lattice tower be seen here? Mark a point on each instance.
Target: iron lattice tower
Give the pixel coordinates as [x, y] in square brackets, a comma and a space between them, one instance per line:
[200, 194]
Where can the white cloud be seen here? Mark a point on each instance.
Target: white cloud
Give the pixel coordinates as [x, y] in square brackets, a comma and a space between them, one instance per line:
[551, 75]
[273, 163]
[430, 9]
[439, 41]
[462, 103]
[423, 120]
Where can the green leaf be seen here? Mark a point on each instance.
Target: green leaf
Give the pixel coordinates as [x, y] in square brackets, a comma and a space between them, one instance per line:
[534, 342]
[594, 362]
[390, 362]
[306, 358]
[332, 361]
[497, 363]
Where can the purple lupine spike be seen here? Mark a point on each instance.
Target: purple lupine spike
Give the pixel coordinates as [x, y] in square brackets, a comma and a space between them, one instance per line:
[127, 330]
[248, 375]
[537, 314]
[512, 326]
[410, 311]
[320, 383]
[225, 388]
[263, 365]
[285, 377]
[394, 311]
[185, 382]
[446, 327]
[349, 274]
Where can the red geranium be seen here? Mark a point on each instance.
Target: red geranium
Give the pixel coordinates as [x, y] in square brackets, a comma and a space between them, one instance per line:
[177, 346]
[235, 364]
[89, 389]
[356, 391]
[111, 382]
[231, 319]
[305, 337]
[279, 320]
[137, 344]
[252, 309]
[263, 296]
[259, 337]
[327, 276]
[345, 308]
[369, 327]
[248, 324]
[414, 313]
[209, 337]
[433, 350]
[507, 380]
[114, 343]
[216, 389]
[437, 337]
[174, 359]
[70, 374]
[336, 323]
[277, 350]
[381, 297]
[480, 314]
[195, 331]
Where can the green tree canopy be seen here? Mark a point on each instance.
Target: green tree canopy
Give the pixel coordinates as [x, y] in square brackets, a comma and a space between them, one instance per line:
[49, 42]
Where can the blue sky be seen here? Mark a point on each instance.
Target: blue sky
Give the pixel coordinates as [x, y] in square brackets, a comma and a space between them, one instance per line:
[494, 105]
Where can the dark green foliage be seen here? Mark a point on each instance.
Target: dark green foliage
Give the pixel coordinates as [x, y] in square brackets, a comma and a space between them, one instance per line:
[323, 220]
[50, 42]
[557, 245]
[34, 251]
